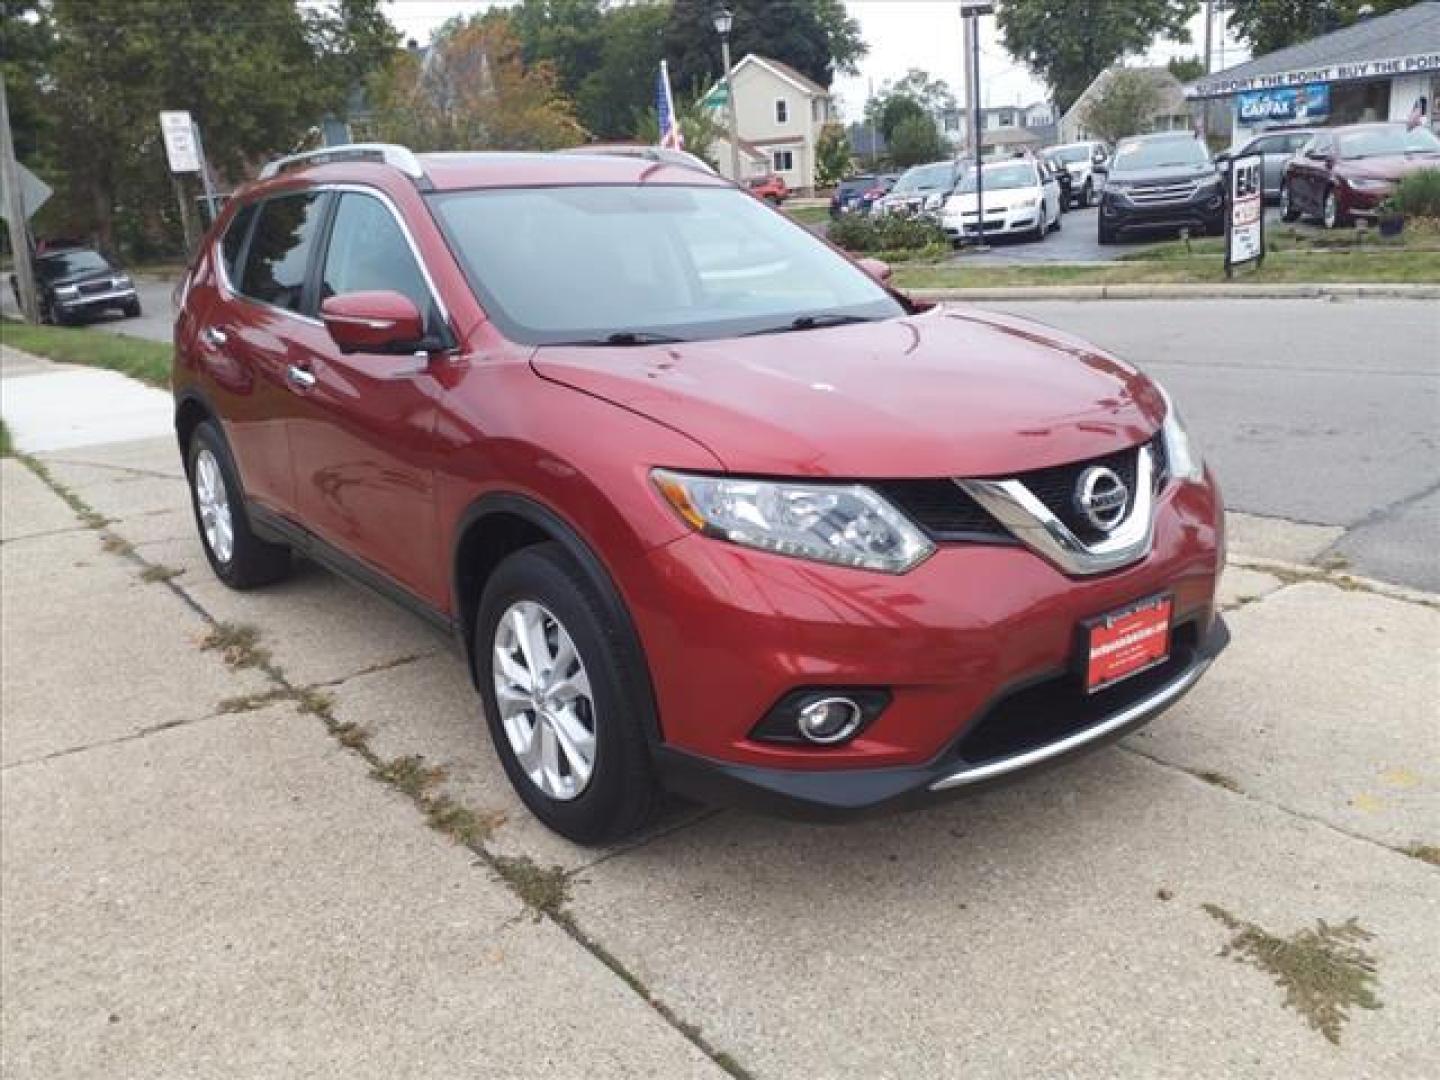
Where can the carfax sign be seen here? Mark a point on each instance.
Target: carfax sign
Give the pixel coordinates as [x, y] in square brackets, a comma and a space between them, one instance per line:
[1284, 104]
[1245, 222]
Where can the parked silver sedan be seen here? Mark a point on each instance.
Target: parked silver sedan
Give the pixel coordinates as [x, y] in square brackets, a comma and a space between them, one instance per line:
[1276, 147]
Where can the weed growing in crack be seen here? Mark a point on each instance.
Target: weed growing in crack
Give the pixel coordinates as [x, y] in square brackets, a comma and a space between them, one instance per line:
[1218, 779]
[409, 774]
[238, 645]
[250, 702]
[159, 572]
[459, 822]
[1325, 972]
[351, 736]
[117, 545]
[313, 702]
[1429, 853]
[544, 891]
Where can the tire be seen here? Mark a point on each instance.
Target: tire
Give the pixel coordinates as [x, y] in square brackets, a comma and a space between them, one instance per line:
[1105, 235]
[1059, 214]
[544, 588]
[1087, 193]
[1331, 216]
[239, 558]
[1289, 212]
[132, 311]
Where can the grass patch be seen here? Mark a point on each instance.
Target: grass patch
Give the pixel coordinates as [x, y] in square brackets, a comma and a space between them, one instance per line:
[1325, 972]
[91, 518]
[810, 215]
[7, 448]
[1429, 853]
[545, 892]
[1388, 268]
[159, 572]
[238, 645]
[147, 361]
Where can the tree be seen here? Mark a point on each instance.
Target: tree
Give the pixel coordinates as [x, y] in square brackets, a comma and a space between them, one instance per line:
[699, 126]
[1267, 25]
[1187, 68]
[916, 140]
[832, 155]
[1068, 45]
[917, 94]
[1123, 106]
[256, 78]
[621, 86]
[474, 92]
[816, 37]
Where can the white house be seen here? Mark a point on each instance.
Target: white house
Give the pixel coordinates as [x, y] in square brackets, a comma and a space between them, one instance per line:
[779, 114]
[1171, 112]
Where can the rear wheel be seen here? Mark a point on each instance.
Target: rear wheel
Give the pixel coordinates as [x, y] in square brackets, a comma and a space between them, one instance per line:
[1087, 194]
[239, 558]
[1289, 212]
[1105, 235]
[1330, 213]
[565, 698]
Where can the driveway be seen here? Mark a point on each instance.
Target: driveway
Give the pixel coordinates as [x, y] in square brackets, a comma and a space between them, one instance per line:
[264, 834]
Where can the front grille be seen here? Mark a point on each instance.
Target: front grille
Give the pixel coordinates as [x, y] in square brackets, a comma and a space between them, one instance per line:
[1163, 193]
[944, 511]
[1055, 487]
[91, 288]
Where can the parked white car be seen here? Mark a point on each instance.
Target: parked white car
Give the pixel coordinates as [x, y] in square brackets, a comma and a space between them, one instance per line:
[1080, 159]
[920, 190]
[1019, 198]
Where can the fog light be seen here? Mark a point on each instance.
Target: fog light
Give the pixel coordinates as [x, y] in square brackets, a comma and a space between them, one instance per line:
[829, 720]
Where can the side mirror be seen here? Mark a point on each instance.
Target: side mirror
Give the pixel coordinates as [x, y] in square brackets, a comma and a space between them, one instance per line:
[373, 322]
[877, 269]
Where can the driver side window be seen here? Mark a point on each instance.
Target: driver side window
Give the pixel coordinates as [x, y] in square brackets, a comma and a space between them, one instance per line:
[368, 252]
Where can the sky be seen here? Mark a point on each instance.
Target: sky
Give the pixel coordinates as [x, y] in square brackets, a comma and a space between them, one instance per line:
[901, 34]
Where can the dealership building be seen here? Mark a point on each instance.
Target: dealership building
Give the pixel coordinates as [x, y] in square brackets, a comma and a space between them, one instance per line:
[1383, 68]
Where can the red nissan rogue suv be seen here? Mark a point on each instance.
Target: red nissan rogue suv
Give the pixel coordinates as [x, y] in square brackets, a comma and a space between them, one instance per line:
[706, 505]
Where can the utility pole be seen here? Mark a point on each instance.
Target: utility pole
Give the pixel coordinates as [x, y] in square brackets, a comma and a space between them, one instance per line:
[1209, 22]
[15, 216]
[724, 20]
[967, 28]
[970, 11]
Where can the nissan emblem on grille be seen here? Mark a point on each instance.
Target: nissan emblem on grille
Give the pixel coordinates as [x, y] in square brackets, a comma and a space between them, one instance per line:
[1101, 497]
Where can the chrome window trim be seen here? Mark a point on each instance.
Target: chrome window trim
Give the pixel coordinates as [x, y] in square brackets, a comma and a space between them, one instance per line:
[217, 255]
[1031, 522]
[1131, 714]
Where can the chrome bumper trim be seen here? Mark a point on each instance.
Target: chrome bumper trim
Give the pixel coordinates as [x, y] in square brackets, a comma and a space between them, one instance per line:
[94, 298]
[1133, 714]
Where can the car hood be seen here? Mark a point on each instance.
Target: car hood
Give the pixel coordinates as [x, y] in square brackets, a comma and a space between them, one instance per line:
[945, 393]
[1165, 174]
[1390, 167]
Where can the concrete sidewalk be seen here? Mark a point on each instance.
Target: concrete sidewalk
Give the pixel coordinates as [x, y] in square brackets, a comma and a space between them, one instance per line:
[294, 853]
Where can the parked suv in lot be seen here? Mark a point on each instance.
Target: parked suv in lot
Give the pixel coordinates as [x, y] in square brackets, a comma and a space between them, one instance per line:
[1161, 183]
[703, 503]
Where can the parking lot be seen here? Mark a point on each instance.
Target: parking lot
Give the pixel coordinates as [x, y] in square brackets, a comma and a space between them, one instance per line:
[265, 833]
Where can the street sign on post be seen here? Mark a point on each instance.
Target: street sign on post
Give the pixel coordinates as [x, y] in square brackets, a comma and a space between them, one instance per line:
[1245, 216]
[34, 192]
[180, 148]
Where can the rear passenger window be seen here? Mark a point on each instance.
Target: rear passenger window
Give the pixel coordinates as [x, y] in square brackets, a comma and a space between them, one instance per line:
[234, 241]
[280, 250]
[368, 251]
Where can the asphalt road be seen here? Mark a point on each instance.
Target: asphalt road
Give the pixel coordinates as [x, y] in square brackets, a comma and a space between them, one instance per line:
[1325, 413]
[156, 318]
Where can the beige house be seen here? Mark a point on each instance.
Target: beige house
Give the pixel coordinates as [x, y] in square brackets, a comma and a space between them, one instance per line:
[779, 114]
[1171, 113]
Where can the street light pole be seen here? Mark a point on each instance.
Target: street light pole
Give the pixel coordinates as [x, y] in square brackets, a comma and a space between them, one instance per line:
[971, 10]
[723, 22]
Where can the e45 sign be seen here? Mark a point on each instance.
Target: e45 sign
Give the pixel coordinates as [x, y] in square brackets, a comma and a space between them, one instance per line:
[1245, 222]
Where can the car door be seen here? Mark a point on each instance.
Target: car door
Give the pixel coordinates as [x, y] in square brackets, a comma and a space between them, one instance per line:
[250, 335]
[1271, 149]
[364, 440]
[1312, 172]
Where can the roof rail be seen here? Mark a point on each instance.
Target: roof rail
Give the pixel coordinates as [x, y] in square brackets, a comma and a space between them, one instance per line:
[388, 153]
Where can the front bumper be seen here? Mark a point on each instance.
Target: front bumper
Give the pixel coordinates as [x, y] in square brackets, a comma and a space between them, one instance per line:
[1023, 731]
[1205, 211]
[997, 223]
[95, 301]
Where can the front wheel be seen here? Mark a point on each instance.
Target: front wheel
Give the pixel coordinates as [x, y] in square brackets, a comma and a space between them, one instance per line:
[239, 558]
[565, 698]
[1289, 212]
[132, 310]
[1331, 214]
[1106, 235]
[1087, 194]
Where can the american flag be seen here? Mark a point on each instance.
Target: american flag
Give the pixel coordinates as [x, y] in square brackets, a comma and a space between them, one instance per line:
[670, 136]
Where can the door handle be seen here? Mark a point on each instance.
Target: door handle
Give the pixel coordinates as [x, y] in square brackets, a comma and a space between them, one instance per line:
[214, 336]
[299, 377]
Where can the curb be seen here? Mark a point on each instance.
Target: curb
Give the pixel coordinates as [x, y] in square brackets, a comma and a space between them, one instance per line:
[1239, 291]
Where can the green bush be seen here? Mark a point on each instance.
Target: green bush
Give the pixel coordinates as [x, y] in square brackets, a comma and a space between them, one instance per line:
[1418, 195]
[891, 232]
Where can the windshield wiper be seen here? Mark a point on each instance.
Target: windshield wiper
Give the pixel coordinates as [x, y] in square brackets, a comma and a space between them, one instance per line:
[812, 322]
[626, 337]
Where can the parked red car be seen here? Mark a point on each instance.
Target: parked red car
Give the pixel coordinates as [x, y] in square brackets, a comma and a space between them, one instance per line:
[1347, 172]
[770, 187]
[704, 505]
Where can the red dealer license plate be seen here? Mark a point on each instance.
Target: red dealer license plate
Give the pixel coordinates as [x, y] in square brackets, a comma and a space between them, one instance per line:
[1127, 642]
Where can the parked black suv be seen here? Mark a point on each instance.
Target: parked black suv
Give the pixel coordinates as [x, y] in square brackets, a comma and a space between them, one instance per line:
[75, 283]
[1166, 181]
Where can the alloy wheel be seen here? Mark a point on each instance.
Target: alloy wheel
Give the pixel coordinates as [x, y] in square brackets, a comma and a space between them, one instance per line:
[544, 699]
[1332, 210]
[1285, 201]
[214, 503]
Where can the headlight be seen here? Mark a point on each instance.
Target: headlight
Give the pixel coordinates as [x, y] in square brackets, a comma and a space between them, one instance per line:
[67, 290]
[845, 524]
[122, 281]
[934, 202]
[1181, 454]
[1023, 204]
[1365, 183]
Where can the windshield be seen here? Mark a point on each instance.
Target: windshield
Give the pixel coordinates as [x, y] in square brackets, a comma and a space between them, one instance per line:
[926, 178]
[68, 264]
[1158, 153]
[1000, 177]
[1070, 154]
[568, 264]
[1382, 141]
